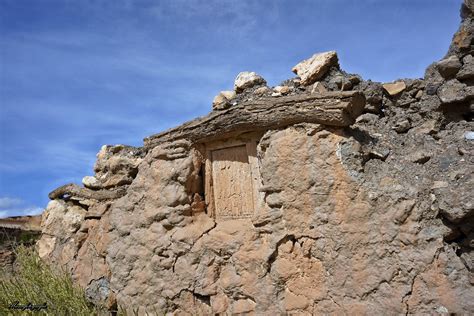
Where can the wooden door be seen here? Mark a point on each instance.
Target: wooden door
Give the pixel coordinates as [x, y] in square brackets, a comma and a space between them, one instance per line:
[232, 183]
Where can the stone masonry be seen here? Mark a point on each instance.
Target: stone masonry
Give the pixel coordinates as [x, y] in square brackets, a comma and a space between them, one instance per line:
[327, 194]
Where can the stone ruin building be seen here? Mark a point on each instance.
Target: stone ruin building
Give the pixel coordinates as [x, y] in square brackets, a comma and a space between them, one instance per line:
[327, 194]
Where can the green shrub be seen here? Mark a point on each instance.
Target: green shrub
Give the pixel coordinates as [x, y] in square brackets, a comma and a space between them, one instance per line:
[28, 237]
[36, 283]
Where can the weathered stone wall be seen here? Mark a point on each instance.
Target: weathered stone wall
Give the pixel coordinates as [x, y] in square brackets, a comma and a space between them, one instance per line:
[372, 218]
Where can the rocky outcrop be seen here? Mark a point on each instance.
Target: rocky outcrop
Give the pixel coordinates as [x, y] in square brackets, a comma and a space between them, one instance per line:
[327, 194]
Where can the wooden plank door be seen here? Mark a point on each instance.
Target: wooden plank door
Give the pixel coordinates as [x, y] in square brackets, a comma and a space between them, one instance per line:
[232, 183]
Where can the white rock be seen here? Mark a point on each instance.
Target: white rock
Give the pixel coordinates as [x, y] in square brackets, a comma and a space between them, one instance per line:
[282, 89]
[91, 182]
[102, 152]
[221, 101]
[247, 80]
[442, 310]
[60, 219]
[46, 246]
[315, 67]
[228, 94]
[469, 135]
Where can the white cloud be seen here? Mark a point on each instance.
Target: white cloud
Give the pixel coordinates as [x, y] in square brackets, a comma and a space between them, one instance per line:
[240, 12]
[17, 207]
[7, 202]
[33, 211]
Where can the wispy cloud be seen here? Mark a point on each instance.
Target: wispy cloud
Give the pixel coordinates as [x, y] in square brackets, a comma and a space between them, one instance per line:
[7, 202]
[78, 74]
[17, 207]
[238, 17]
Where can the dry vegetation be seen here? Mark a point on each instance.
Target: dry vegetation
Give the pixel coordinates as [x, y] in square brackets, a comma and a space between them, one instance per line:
[36, 283]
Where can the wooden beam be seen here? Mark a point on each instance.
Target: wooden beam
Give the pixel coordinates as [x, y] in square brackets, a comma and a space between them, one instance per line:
[331, 108]
[75, 191]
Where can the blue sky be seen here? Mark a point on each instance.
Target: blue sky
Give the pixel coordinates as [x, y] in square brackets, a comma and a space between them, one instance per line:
[77, 74]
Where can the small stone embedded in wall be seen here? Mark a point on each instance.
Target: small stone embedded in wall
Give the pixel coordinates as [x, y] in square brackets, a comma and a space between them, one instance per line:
[454, 91]
[449, 67]
[467, 70]
[318, 88]
[280, 90]
[91, 182]
[262, 91]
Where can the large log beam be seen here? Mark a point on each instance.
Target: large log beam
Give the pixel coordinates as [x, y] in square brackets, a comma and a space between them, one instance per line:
[331, 108]
[74, 191]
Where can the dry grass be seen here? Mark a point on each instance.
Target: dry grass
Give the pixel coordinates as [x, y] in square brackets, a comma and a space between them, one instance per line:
[35, 282]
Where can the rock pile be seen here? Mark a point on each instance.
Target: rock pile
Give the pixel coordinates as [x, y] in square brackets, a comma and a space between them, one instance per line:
[358, 200]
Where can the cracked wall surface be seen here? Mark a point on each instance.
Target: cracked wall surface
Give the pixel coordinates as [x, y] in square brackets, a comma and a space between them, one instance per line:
[371, 218]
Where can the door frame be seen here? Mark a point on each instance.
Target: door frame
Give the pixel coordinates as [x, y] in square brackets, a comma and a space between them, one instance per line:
[250, 140]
